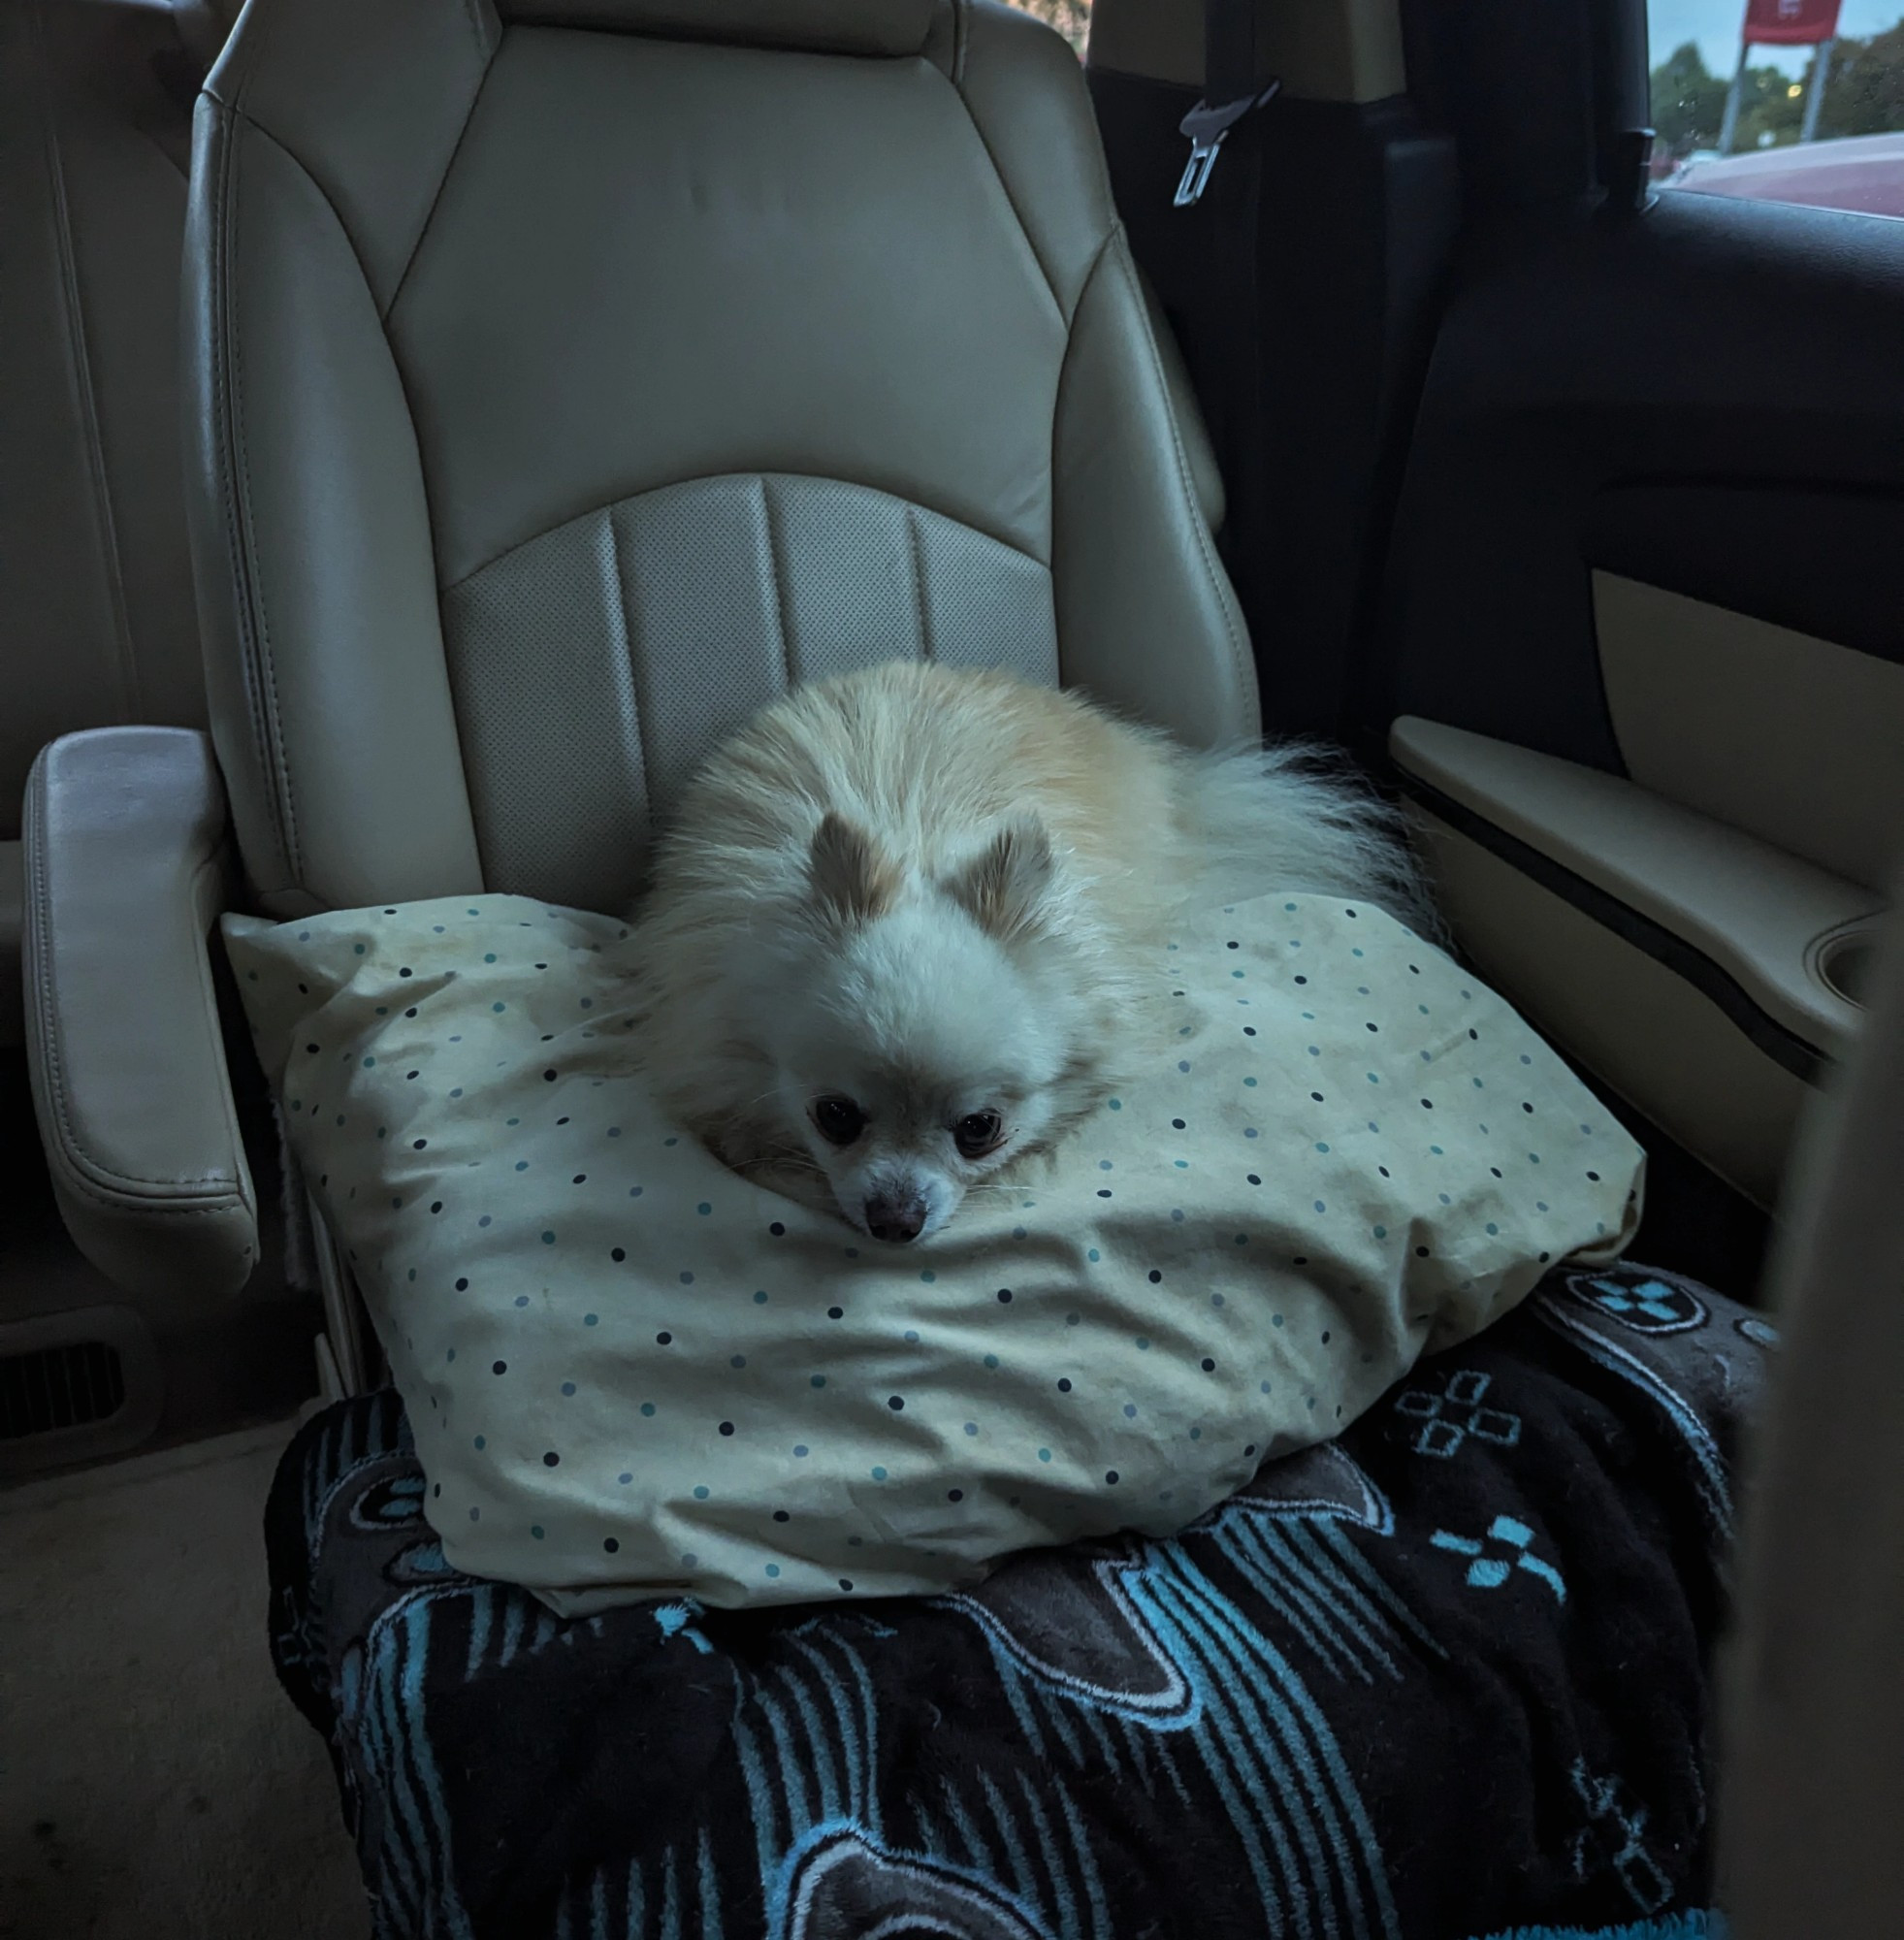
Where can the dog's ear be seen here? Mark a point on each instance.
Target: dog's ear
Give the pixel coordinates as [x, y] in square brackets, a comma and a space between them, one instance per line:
[1002, 888]
[851, 881]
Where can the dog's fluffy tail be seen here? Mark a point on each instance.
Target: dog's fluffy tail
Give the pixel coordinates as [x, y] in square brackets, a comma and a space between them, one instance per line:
[1296, 816]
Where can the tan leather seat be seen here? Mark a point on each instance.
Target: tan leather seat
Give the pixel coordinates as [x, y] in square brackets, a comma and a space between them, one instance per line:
[569, 379]
[96, 582]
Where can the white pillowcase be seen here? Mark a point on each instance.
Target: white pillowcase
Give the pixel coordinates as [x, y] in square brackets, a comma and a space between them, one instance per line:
[632, 1374]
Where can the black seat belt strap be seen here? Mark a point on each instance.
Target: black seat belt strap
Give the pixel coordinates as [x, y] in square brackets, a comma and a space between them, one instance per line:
[1233, 86]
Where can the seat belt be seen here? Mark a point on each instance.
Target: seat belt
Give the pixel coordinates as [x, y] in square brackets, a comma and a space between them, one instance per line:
[1207, 256]
[1233, 86]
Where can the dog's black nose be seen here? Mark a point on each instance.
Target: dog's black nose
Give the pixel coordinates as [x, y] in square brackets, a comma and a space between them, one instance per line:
[890, 1219]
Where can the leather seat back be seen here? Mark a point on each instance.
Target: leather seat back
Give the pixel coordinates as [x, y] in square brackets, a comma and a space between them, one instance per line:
[95, 579]
[573, 376]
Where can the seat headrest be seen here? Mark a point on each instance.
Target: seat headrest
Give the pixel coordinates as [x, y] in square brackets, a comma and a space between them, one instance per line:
[890, 28]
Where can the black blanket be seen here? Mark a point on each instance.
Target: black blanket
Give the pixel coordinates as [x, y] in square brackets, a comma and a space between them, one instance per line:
[1446, 1676]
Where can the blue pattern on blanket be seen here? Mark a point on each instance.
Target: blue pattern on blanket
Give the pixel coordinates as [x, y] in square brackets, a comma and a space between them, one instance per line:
[1287, 1720]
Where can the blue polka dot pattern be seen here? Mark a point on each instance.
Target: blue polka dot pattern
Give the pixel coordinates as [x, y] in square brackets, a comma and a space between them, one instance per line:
[738, 1394]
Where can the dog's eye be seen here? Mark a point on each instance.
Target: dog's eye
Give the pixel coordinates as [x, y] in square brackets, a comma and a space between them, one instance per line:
[976, 1134]
[840, 1119]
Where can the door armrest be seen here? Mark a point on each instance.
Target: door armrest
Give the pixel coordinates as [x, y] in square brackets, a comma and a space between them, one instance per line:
[1766, 922]
[126, 874]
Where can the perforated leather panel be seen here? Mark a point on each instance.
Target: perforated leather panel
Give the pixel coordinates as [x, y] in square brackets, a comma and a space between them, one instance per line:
[473, 304]
[596, 666]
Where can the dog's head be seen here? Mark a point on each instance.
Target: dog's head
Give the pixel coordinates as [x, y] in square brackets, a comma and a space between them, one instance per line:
[924, 1032]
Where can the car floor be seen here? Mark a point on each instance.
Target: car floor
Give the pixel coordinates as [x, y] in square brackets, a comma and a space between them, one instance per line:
[154, 1781]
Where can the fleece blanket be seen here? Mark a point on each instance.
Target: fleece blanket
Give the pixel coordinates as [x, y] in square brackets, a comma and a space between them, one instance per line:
[1443, 1677]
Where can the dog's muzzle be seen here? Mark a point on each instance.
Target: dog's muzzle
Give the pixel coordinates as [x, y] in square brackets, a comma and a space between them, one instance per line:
[897, 1219]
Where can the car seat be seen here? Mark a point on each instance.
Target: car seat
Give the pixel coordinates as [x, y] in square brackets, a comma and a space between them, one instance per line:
[567, 378]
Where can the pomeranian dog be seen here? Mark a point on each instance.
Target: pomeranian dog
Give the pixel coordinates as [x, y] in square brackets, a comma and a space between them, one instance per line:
[905, 932]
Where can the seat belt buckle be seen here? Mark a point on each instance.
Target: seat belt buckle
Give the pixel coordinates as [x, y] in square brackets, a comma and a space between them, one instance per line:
[1205, 128]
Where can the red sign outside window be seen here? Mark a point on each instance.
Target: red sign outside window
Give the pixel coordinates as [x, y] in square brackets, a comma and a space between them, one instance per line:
[1791, 24]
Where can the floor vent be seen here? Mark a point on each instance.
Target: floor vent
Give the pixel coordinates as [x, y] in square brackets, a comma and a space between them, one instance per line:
[75, 1386]
[60, 1387]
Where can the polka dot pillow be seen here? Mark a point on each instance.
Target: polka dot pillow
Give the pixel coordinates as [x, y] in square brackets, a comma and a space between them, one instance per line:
[633, 1375]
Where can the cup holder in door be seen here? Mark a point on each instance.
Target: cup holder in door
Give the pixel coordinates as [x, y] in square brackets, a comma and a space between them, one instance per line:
[1844, 963]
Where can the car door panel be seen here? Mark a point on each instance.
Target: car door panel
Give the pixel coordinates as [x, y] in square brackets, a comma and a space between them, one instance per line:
[1819, 561]
[1650, 558]
[1707, 345]
[1793, 738]
[1753, 912]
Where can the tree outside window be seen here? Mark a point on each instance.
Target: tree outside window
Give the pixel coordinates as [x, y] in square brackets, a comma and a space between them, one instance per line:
[1071, 18]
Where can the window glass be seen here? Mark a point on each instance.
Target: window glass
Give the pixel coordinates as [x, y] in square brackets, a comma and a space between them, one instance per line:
[1798, 101]
[1071, 18]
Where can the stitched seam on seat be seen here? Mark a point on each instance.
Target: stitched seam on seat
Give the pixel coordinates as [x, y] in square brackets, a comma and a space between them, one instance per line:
[1097, 148]
[73, 316]
[707, 477]
[778, 585]
[1057, 418]
[916, 559]
[323, 194]
[1240, 651]
[255, 641]
[635, 663]
[264, 30]
[449, 165]
[110, 1200]
[219, 324]
[76, 1166]
[1004, 189]
[207, 897]
[396, 368]
[37, 953]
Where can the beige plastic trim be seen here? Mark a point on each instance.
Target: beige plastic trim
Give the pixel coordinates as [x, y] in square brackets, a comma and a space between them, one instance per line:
[1753, 909]
[1635, 1024]
[1813, 1701]
[347, 1326]
[1791, 738]
[1320, 49]
[330, 1376]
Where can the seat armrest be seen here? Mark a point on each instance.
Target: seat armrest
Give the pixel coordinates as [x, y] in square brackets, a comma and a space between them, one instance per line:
[126, 874]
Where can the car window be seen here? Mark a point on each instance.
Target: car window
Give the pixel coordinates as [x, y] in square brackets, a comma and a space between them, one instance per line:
[1071, 18]
[1797, 101]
